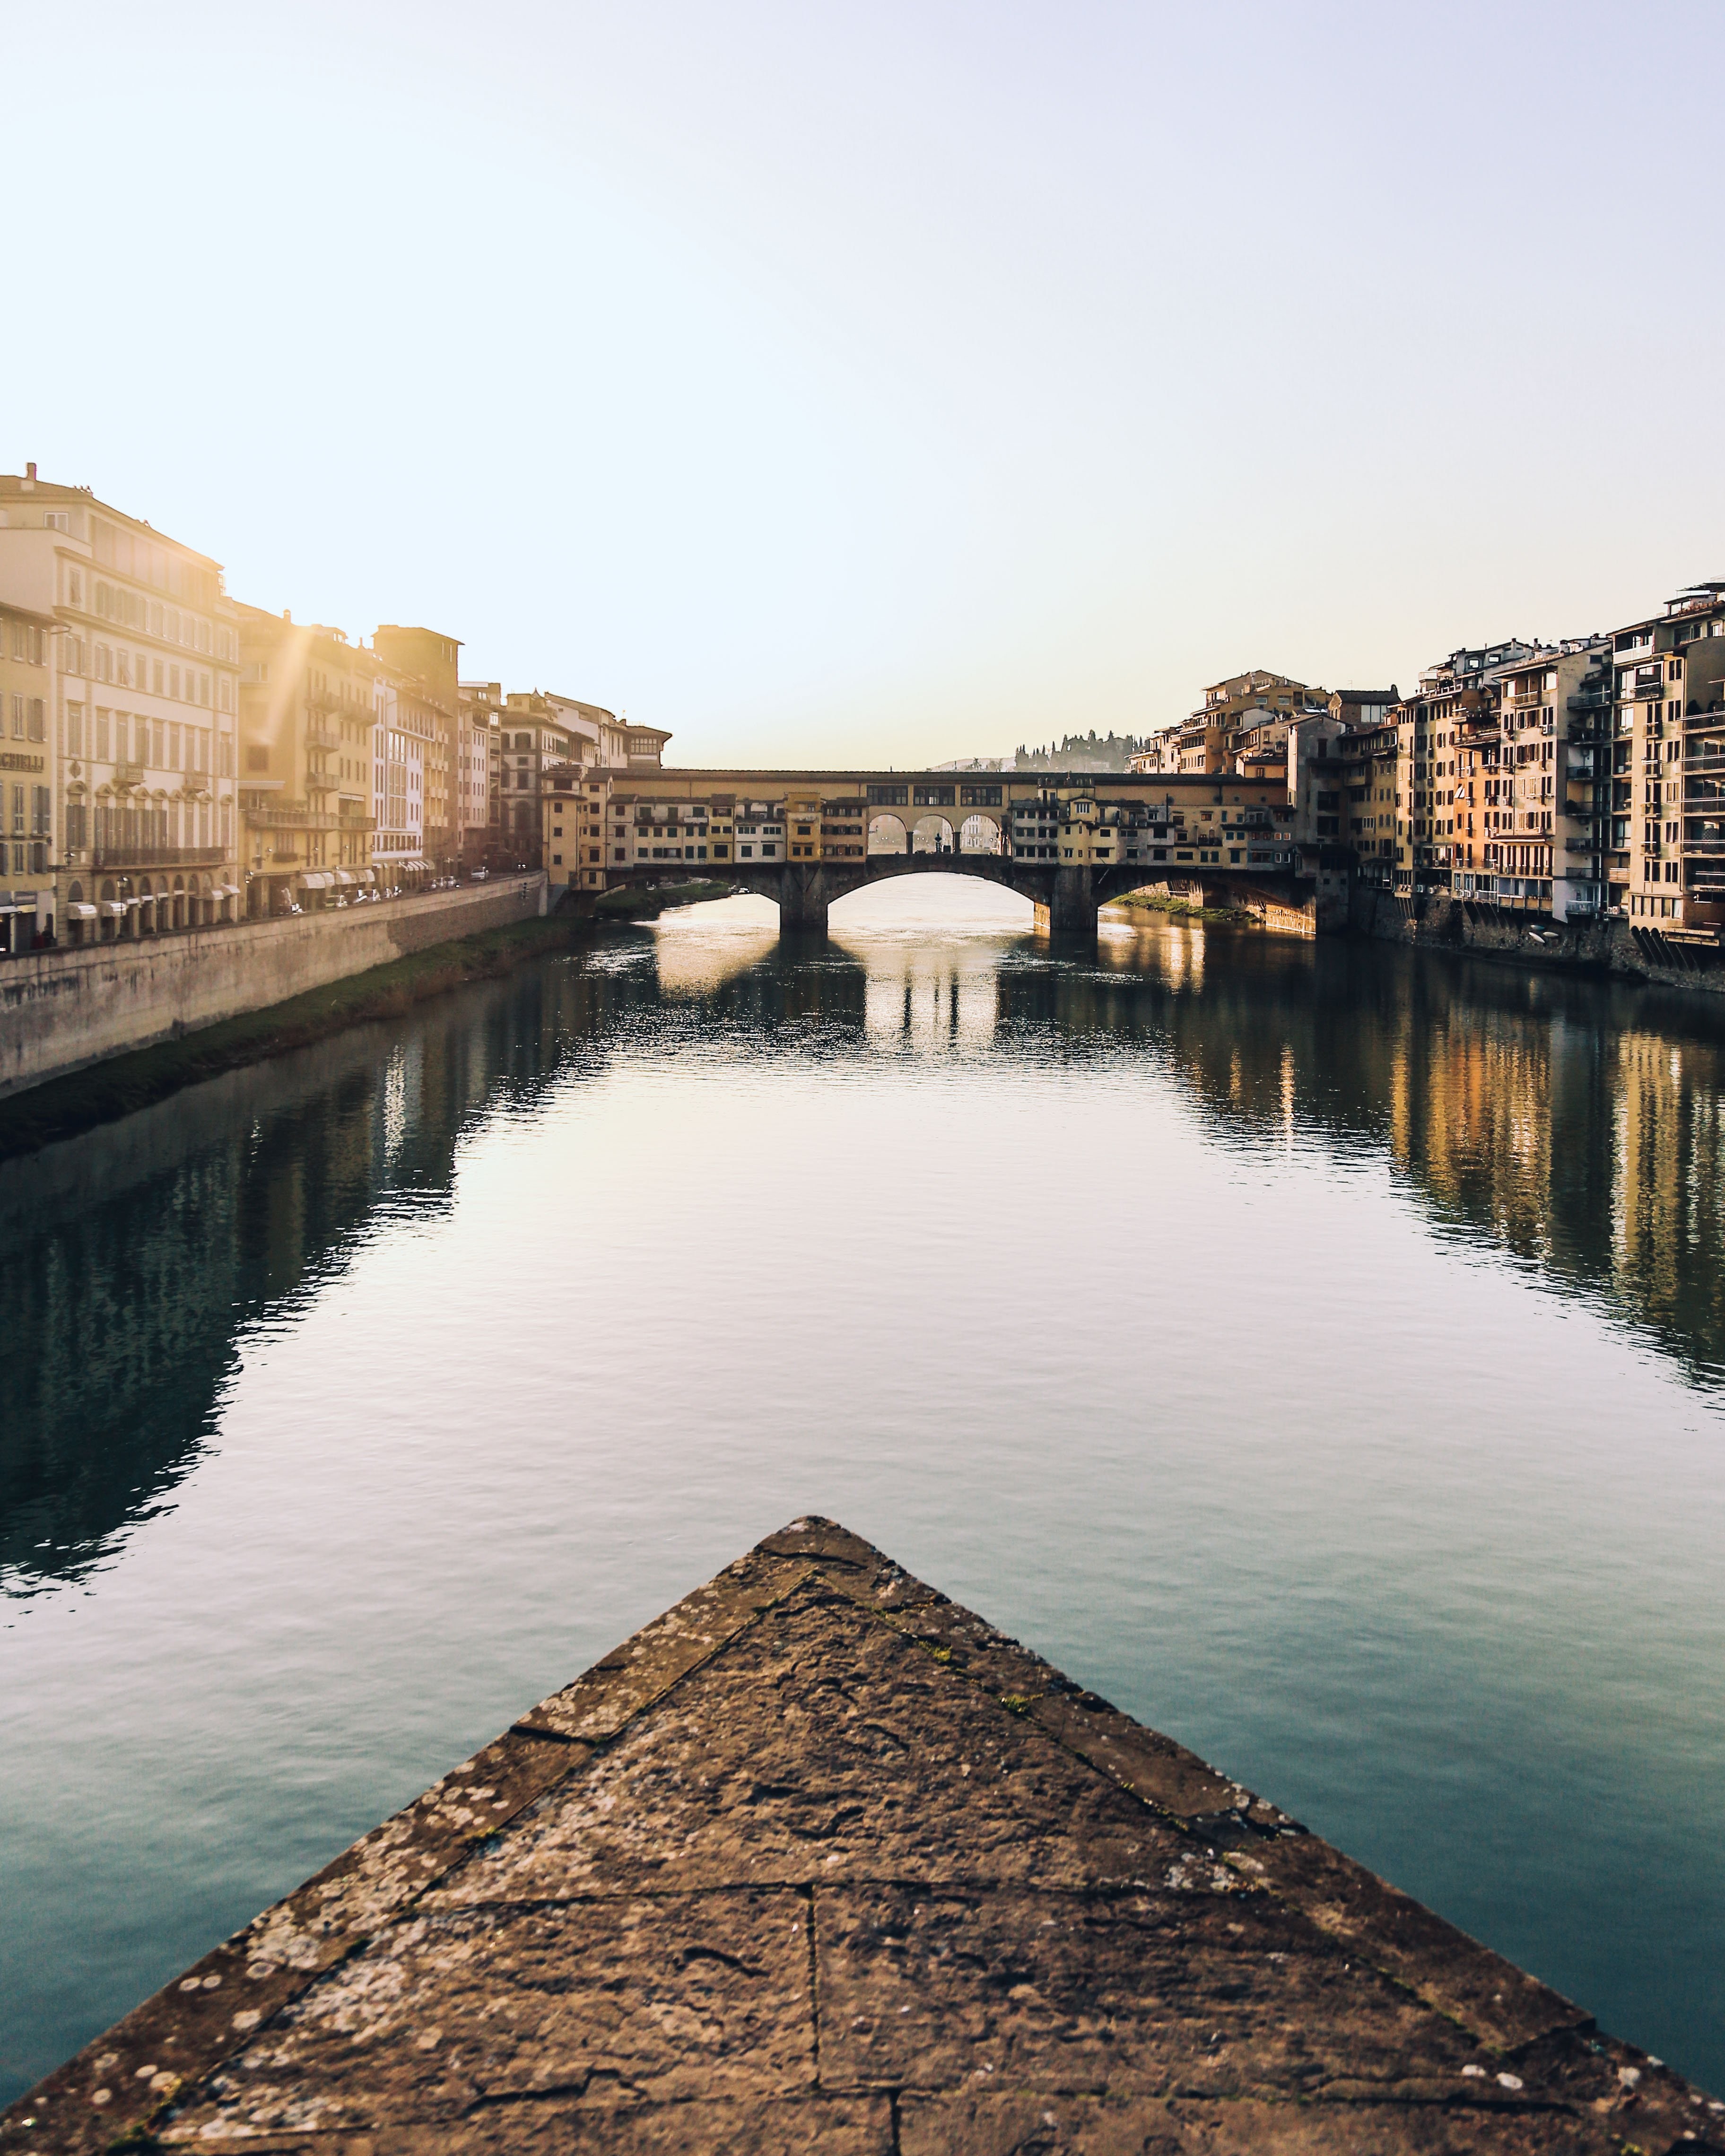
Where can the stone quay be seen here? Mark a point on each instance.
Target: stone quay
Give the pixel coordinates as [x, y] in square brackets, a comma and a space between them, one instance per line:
[820, 1860]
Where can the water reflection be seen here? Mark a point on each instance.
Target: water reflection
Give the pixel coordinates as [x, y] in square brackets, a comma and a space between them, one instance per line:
[1574, 1125]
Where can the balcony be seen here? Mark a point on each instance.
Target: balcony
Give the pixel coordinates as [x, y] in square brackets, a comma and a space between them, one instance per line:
[291, 816]
[157, 857]
[317, 736]
[128, 774]
[1597, 698]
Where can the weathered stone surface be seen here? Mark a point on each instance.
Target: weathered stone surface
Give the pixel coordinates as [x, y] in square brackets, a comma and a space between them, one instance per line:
[600, 2002]
[1456, 1973]
[865, 1573]
[793, 2126]
[827, 1749]
[1184, 1992]
[1088, 2126]
[820, 1859]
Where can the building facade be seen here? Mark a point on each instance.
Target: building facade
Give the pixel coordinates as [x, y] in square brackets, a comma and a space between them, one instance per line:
[122, 815]
[1665, 824]
[426, 664]
[307, 784]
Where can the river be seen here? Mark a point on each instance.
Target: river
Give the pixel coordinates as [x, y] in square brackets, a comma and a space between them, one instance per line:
[1315, 1349]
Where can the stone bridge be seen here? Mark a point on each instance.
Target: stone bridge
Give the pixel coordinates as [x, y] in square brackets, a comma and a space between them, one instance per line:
[1068, 841]
[1067, 900]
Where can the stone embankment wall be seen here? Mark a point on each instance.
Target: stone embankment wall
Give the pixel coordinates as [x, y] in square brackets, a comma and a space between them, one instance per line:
[1611, 948]
[62, 1009]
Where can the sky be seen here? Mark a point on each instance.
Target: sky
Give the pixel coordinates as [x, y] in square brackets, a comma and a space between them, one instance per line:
[885, 382]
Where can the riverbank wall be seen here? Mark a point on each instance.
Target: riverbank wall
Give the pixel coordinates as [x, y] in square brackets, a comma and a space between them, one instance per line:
[62, 1010]
[1616, 948]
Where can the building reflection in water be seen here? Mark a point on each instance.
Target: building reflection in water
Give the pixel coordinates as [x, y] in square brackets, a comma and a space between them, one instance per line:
[1574, 1124]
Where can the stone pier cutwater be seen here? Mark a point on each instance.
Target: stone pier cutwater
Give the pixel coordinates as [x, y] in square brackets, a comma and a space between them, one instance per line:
[820, 1861]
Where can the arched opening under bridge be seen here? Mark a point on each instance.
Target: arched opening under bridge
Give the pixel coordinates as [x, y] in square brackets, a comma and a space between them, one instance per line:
[979, 835]
[942, 904]
[933, 834]
[887, 835]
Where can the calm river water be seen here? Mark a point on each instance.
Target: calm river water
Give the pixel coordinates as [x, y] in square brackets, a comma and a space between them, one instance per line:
[1318, 1350]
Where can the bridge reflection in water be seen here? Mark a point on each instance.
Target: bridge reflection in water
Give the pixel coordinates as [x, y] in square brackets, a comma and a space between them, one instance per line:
[1574, 1124]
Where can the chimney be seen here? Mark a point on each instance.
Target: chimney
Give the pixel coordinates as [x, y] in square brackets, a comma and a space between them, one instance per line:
[29, 475]
[287, 614]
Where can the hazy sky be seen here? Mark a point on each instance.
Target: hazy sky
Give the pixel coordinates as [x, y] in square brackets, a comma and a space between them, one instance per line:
[891, 380]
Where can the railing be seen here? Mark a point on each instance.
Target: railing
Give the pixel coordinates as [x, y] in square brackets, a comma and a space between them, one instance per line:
[318, 737]
[291, 816]
[128, 774]
[1597, 699]
[157, 857]
[1705, 722]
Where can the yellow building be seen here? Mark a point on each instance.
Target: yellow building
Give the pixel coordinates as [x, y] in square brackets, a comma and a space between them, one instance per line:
[1665, 826]
[129, 824]
[426, 664]
[309, 725]
[29, 911]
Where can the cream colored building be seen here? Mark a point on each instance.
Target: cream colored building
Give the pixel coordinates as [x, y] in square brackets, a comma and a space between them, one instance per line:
[1665, 824]
[479, 705]
[425, 665]
[311, 708]
[135, 800]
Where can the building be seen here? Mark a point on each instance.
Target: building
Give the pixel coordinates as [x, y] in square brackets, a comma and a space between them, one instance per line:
[1527, 837]
[574, 810]
[533, 741]
[30, 911]
[405, 726]
[1460, 692]
[480, 705]
[309, 781]
[1366, 768]
[428, 662]
[760, 831]
[119, 814]
[1665, 825]
[1361, 708]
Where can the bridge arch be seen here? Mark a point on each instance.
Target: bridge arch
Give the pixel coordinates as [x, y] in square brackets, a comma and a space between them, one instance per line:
[887, 835]
[979, 835]
[933, 834]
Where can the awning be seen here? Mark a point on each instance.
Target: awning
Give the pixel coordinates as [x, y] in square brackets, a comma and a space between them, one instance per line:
[114, 907]
[369, 876]
[81, 912]
[344, 876]
[316, 880]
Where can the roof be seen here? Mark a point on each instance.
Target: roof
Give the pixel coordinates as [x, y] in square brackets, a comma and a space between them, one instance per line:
[15, 487]
[820, 1859]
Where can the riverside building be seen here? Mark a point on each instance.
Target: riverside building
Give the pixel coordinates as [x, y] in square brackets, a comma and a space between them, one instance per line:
[425, 665]
[308, 783]
[1665, 826]
[119, 808]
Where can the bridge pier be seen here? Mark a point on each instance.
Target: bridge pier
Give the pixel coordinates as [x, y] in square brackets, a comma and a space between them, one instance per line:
[1070, 908]
[805, 895]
